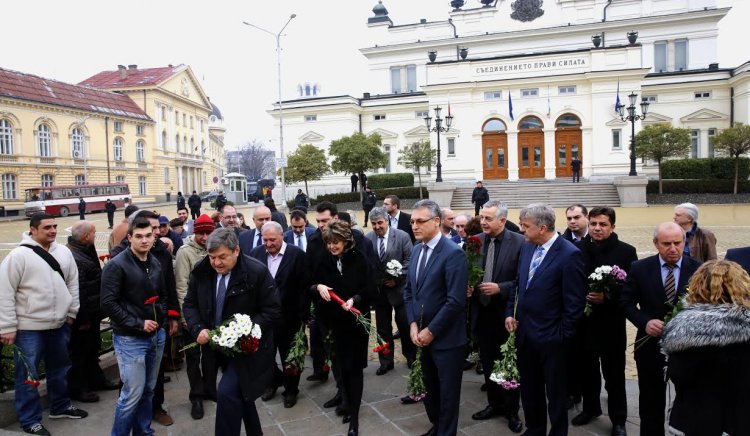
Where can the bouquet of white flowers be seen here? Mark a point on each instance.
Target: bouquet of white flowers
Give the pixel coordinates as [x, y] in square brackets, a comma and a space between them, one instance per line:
[239, 335]
[605, 279]
[394, 268]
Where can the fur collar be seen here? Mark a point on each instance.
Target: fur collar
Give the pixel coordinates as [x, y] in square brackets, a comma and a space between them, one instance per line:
[706, 325]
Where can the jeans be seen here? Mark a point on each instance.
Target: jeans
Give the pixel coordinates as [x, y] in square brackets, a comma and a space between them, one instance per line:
[138, 358]
[52, 346]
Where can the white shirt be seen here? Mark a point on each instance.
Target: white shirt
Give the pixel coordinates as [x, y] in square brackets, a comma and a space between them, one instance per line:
[385, 242]
[547, 245]
[275, 261]
[226, 280]
[431, 244]
[303, 238]
[394, 220]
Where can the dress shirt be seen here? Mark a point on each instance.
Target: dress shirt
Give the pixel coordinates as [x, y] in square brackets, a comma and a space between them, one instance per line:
[274, 261]
[385, 241]
[226, 280]
[547, 246]
[430, 248]
[675, 272]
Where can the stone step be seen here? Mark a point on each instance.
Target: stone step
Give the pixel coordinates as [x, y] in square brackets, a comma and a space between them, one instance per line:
[553, 193]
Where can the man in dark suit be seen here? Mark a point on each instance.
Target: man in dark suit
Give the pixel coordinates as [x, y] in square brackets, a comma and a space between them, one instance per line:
[396, 218]
[739, 255]
[500, 251]
[578, 223]
[550, 301]
[390, 244]
[252, 238]
[223, 284]
[299, 232]
[435, 297]
[652, 287]
[287, 266]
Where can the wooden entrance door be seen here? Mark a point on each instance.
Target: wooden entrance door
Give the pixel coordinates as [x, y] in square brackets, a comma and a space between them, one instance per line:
[567, 147]
[530, 155]
[495, 155]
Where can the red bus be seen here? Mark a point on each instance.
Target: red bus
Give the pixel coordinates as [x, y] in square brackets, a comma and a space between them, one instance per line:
[63, 200]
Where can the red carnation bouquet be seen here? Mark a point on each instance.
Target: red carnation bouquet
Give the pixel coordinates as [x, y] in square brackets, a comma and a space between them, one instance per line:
[295, 358]
[473, 250]
[30, 379]
[383, 346]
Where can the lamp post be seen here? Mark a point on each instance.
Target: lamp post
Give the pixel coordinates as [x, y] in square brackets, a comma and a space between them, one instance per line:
[82, 125]
[281, 108]
[438, 129]
[632, 117]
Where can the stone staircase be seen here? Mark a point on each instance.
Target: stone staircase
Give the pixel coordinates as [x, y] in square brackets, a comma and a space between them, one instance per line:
[556, 193]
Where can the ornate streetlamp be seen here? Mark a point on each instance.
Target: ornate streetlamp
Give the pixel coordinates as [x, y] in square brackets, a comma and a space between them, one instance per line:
[439, 129]
[632, 117]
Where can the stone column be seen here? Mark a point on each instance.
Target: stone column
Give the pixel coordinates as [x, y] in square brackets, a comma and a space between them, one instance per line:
[512, 155]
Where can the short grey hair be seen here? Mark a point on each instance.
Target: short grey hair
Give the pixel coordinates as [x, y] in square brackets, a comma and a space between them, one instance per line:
[378, 213]
[502, 208]
[222, 237]
[540, 214]
[690, 209]
[272, 225]
[432, 207]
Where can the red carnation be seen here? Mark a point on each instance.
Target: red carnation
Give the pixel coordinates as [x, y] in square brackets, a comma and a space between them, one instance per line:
[249, 344]
[173, 313]
[473, 245]
[104, 257]
[31, 382]
[386, 352]
[326, 368]
[151, 300]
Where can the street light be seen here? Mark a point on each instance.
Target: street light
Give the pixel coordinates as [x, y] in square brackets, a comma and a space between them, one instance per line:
[438, 129]
[632, 117]
[281, 108]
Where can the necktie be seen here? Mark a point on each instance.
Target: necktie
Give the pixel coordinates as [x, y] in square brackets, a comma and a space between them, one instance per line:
[489, 264]
[422, 263]
[299, 241]
[538, 253]
[221, 293]
[669, 286]
[260, 239]
[381, 247]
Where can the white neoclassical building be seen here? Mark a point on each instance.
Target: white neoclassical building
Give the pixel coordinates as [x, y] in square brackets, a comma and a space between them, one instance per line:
[559, 64]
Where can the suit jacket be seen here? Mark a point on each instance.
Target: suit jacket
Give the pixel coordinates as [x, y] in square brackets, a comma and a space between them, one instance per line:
[398, 248]
[438, 300]
[643, 297]
[504, 273]
[291, 239]
[291, 282]
[404, 224]
[741, 256]
[550, 306]
[247, 240]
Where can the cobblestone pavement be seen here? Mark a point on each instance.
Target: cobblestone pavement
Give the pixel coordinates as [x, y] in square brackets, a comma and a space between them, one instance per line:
[382, 413]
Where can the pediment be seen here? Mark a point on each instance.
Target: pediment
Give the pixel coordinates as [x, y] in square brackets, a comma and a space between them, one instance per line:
[419, 131]
[704, 115]
[615, 122]
[311, 137]
[184, 83]
[385, 134]
[656, 118]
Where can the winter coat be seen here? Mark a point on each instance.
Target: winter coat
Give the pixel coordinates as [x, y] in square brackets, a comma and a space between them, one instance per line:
[702, 244]
[368, 200]
[480, 196]
[708, 360]
[194, 201]
[89, 280]
[187, 257]
[180, 202]
[280, 218]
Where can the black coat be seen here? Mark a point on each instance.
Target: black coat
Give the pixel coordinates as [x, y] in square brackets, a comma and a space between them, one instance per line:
[480, 196]
[194, 201]
[110, 208]
[89, 280]
[280, 218]
[605, 326]
[251, 291]
[368, 200]
[180, 202]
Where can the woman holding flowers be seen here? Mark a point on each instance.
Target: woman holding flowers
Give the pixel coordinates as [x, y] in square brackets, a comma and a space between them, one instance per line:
[346, 273]
[708, 353]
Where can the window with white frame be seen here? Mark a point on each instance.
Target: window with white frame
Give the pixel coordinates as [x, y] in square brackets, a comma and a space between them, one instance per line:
[569, 89]
[163, 142]
[660, 56]
[76, 142]
[141, 185]
[702, 95]
[451, 146]
[201, 123]
[166, 174]
[192, 146]
[695, 142]
[117, 149]
[184, 119]
[118, 126]
[191, 121]
[177, 118]
[379, 117]
[119, 179]
[164, 113]
[203, 147]
[493, 95]
[387, 151]
[530, 92]
[80, 179]
[47, 180]
[205, 177]
[6, 137]
[616, 139]
[711, 138]
[680, 55]
[310, 118]
[139, 151]
[140, 129]
[44, 140]
[403, 79]
[177, 142]
[421, 114]
[184, 144]
[9, 187]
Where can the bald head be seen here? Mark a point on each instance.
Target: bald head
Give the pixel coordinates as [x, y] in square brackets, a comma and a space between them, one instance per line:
[669, 240]
[261, 215]
[83, 232]
[448, 217]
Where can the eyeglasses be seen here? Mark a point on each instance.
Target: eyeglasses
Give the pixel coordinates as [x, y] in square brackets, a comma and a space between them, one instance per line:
[230, 217]
[422, 221]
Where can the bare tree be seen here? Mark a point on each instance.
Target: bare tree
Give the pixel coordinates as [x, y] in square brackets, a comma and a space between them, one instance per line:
[255, 161]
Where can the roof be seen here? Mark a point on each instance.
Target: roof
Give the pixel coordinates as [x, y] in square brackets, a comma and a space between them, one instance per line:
[22, 86]
[216, 112]
[134, 77]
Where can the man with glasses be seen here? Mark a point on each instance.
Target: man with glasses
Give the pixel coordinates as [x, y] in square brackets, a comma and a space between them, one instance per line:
[252, 238]
[228, 219]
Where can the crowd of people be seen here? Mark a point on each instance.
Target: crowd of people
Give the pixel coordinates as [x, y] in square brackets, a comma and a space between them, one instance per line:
[169, 283]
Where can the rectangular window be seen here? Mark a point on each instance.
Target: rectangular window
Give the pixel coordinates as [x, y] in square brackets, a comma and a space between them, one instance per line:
[680, 55]
[562, 90]
[660, 56]
[616, 139]
[531, 92]
[702, 95]
[201, 123]
[451, 146]
[387, 151]
[166, 174]
[421, 114]
[184, 120]
[140, 129]
[9, 186]
[695, 143]
[177, 118]
[141, 185]
[493, 95]
[118, 126]
[310, 118]
[395, 80]
[47, 180]
[411, 78]
[80, 179]
[379, 117]
[649, 98]
[120, 179]
[711, 137]
[191, 121]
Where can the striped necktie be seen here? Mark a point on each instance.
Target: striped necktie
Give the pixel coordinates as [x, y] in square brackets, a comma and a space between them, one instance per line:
[538, 253]
[381, 247]
[670, 290]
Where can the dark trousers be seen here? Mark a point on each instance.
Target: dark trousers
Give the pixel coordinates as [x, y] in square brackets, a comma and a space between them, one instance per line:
[195, 213]
[543, 368]
[652, 387]
[576, 176]
[201, 373]
[231, 410]
[613, 370]
[352, 385]
[576, 352]
[354, 186]
[283, 336]
[317, 348]
[443, 370]
[367, 215]
[477, 206]
[111, 219]
[158, 400]
[383, 313]
[491, 335]
[81, 215]
[85, 373]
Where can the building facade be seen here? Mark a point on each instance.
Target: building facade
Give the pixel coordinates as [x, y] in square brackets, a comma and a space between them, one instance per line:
[532, 85]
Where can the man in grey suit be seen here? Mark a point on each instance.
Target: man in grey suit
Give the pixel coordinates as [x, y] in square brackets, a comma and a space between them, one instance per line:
[390, 244]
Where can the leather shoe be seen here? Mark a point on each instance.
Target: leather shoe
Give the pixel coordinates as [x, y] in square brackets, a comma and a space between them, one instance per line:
[618, 430]
[268, 394]
[353, 431]
[514, 423]
[346, 419]
[318, 377]
[479, 368]
[468, 365]
[162, 417]
[487, 413]
[483, 388]
[85, 397]
[196, 411]
[107, 385]
[290, 400]
[335, 401]
[409, 400]
[384, 369]
[397, 335]
[431, 432]
[583, 418]
[342, 410]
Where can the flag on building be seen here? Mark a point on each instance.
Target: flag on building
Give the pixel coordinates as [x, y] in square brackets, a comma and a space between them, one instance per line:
[617, 101]
[510, 106]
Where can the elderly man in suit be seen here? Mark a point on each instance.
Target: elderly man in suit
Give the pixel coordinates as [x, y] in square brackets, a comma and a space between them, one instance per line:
[435, 297]
[396, 218]
[288, 268]
[390, 244]
[741, 256]
[299, 232]
[500, 252]
[653, 286]
[252, 238]
[548, 302]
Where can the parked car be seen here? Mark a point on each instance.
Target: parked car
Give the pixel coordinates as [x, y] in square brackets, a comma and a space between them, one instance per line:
[208, 197]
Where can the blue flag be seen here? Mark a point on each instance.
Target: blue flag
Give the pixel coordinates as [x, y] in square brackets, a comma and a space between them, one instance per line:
[510, 106]
[617, 101]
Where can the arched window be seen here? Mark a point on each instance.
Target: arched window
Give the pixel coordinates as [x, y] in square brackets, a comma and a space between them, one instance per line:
[531, 122]
[117, 148]
[76, 142]
[9, 186]
[44, 141]
[568, 120]
[48, 180]
[140, 151]
[6, 138]
[494, 125]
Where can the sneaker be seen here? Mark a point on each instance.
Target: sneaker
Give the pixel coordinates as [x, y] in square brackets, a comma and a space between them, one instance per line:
[37, 429]
[162, 417]
[72, 412]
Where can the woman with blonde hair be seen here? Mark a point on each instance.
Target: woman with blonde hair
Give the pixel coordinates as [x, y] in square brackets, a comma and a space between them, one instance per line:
[708, 353]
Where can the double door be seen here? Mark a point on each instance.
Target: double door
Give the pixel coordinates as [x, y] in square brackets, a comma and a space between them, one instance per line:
[495, 155]
[530, 155]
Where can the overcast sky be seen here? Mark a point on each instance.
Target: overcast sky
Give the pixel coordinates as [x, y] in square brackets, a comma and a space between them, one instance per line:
[236, 64]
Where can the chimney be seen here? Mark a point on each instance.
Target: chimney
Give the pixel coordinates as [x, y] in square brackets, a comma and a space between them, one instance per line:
[713, 67]
[133, 67]
[123, 71]
[366, 96]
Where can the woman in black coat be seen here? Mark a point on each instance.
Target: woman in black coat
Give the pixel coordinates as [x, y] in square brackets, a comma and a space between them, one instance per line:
[708, 353]
[346, 272]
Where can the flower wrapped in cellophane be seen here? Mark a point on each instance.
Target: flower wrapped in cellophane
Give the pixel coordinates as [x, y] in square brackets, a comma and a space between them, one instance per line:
[238, 335]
